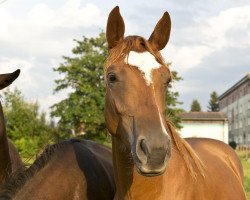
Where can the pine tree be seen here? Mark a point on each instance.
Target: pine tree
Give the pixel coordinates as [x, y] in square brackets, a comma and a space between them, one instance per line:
[195, 106]
[172, 110]
[213, 103]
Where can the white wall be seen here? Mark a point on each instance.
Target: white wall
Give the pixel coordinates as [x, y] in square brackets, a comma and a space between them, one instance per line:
[213, 130]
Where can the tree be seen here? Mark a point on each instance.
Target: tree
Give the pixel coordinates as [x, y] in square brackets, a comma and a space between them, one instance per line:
[213, 103]
[83, 74]
[25, 126]
[195, 106]
[172, 110]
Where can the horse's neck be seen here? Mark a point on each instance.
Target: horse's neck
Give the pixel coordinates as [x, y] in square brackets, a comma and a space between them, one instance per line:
[129, 183]
[60, 179]
[5, 161]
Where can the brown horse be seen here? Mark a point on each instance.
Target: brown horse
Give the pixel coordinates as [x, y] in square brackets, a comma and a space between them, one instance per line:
[150, 159]
[73, 169]
[9, 157]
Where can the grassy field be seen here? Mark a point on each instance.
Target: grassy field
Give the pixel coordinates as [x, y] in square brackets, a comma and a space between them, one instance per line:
[245, 159]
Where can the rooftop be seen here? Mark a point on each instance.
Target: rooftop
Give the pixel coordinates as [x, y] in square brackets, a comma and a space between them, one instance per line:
[203, 116]
[236, 85]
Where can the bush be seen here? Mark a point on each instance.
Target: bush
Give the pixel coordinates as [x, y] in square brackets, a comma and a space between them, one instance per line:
[233, 144]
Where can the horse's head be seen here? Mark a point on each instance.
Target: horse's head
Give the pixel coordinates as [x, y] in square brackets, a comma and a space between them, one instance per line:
[136, 78]
[7, 79]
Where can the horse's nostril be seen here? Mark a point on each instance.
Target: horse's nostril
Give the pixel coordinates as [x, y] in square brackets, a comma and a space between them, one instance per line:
[144, 147]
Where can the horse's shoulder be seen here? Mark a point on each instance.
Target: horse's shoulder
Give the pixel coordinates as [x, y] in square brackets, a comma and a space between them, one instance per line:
[215, 151]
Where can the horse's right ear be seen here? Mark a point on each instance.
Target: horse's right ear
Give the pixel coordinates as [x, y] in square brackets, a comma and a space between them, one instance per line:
[7, 79]
[115, 28]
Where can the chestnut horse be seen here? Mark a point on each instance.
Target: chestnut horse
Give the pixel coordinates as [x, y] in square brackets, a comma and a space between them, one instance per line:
[9, 157]
[150, 159]
[73, 169]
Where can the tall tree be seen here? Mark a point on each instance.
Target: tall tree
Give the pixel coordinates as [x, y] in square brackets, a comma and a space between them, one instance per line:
[25, 126]
[83, 74]
[195, 106]
[213, 104]
[172, 110]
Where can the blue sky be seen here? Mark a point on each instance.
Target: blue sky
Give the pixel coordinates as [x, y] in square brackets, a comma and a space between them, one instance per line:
[209, 45]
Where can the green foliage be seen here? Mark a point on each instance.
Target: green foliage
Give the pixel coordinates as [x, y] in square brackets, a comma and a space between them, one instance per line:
[25, 126]
[172, 110]
[83, 75]
[233, 144]
[213, 102]
[195, 106]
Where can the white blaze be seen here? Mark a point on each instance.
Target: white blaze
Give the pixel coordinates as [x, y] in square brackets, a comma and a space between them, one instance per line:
[145, 62]
[162, 124]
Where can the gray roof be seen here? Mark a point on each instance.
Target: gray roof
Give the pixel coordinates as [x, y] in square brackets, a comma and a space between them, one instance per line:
[203, 116]
[236, 85]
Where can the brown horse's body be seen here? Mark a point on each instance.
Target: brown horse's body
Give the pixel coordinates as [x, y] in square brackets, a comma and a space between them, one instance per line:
[73, 169]
[221, 179]
[9, 158]
[150, 159]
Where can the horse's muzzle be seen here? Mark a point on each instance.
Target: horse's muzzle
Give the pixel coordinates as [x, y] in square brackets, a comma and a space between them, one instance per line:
[152, 155]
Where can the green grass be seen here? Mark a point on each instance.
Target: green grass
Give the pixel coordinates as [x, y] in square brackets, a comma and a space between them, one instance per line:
[246, 166]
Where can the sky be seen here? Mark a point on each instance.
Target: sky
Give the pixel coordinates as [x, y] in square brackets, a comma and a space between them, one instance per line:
[209, 45]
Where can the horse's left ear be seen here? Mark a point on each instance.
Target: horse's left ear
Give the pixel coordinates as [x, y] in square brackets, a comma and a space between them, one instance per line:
[160, 36]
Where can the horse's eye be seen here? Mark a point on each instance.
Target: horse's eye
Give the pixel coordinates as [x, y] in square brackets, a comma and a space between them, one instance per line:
[112, 77]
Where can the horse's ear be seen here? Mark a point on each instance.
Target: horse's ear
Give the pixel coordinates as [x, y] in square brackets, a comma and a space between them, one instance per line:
[115, 28]
[7, 79]
[160, 36]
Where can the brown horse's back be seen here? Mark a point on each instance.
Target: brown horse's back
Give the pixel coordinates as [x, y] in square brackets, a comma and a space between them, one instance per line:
[73, 169]
[221, 164]
[95, 161]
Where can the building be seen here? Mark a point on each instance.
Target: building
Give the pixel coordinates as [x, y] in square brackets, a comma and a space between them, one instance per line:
[205, 125]
[235, 102]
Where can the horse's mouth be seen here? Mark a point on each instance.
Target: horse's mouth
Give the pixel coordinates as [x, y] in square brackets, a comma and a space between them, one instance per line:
[150, 173]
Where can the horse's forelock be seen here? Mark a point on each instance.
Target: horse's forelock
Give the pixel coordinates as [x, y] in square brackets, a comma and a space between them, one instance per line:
[132, 43]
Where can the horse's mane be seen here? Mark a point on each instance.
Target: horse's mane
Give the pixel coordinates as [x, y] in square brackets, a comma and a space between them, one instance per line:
[18, 179]
[193, 163]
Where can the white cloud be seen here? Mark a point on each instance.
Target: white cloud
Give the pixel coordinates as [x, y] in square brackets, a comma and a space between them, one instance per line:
[230, 28]
[186, 57]
[70, 15]
[216, 30]
[44, 30]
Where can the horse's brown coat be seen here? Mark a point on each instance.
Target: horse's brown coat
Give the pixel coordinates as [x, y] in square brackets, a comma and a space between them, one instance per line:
[197, 169]
[70, 170]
